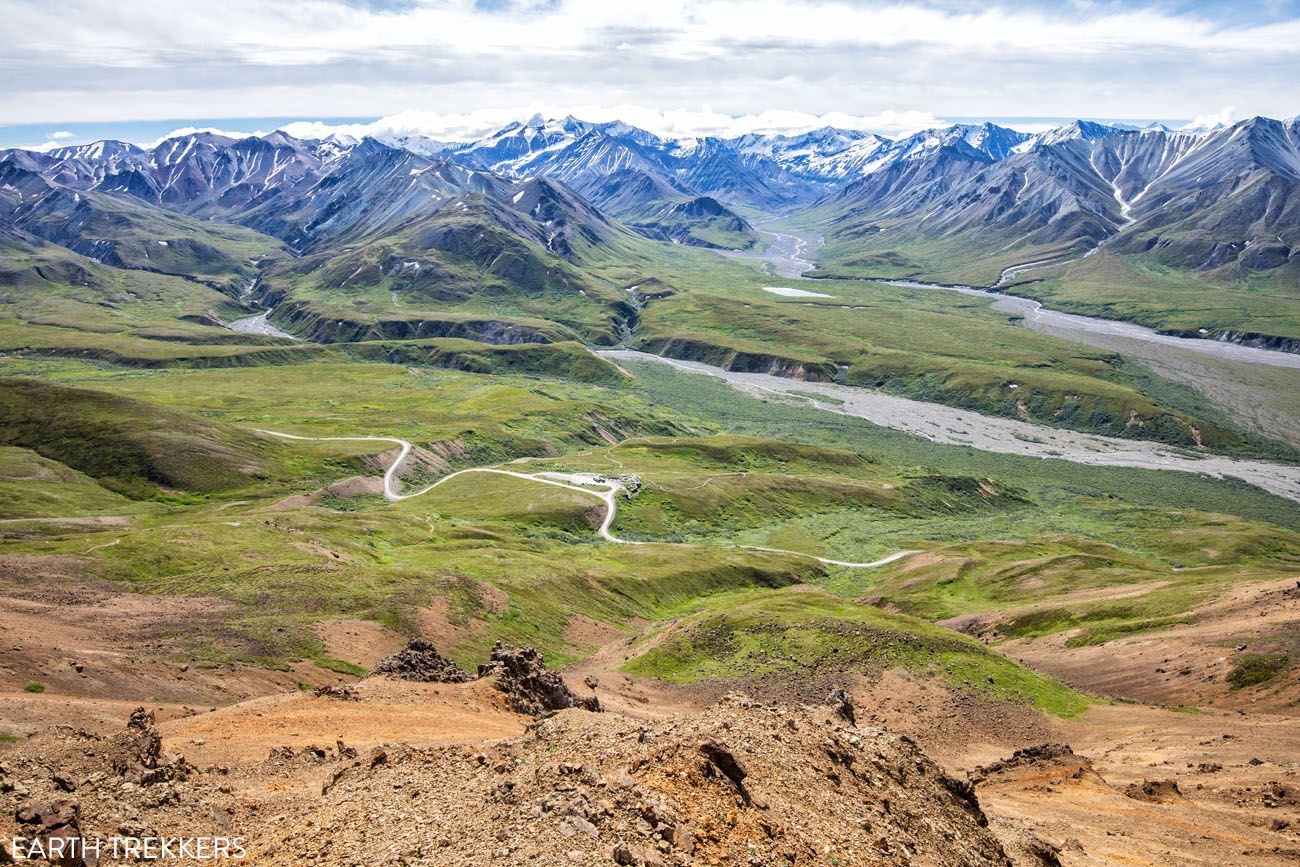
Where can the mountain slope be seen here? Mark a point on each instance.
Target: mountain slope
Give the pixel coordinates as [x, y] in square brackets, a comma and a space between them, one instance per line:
[701, 222]
[131, 447]
[472, 268]
[1222, 205]
[199, 173]
[389, 238]
[126, 233]
[550, 203]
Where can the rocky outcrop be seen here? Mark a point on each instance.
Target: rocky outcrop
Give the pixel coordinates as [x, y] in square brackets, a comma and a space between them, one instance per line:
[521, 674]
[842, 705]
[1154, 791]
[780, 783]
[420, 661]
[1022, 757]
[326, 326]
[1253, 339]
[136, 755]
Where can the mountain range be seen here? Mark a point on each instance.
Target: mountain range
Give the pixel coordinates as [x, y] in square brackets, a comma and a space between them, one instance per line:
[526, 204]
[1222, 203]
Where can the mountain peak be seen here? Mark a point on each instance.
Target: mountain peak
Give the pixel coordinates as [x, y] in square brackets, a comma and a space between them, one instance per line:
[1079, 130]
[280, 138]
[99, 150]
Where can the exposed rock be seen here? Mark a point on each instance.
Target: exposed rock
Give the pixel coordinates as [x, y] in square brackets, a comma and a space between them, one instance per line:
[840, 702]
[56, 827]
[142, 735]
[1026, 756]
[963, 793]
[136, 754]
[521, 674]
[1155, 791]
[421, 662]
[616, 790]
[731, 767]
[1048, 854]
[338, 693]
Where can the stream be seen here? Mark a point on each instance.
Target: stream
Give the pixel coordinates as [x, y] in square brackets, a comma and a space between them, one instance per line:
[258, 325]
[787, 256]
[1255, 386]
[945, 424]
[1109, 333]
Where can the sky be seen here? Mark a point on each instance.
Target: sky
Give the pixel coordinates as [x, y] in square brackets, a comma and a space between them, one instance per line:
[455, 69]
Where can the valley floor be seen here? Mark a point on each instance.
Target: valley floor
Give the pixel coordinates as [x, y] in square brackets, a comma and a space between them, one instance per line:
[945, 424]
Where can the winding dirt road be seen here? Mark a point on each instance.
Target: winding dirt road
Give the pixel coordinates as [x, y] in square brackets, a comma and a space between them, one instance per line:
[593, 484]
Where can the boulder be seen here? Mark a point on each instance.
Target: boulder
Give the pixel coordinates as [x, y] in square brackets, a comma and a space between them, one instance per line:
[1154, 791]
[56, 826]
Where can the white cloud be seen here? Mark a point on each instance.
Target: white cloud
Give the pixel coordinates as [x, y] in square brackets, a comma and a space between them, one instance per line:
[150, 33]
[57, 139]
[155, 59]
[678, 123]
[1222, 117]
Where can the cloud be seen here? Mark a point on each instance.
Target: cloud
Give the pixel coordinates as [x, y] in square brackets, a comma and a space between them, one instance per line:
[1223, 117]
[139, 34]
[43, 146]
[56, 140]
[157, 59]
[679, 123]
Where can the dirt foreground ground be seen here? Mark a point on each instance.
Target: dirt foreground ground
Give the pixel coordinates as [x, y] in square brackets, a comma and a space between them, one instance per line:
[308, 766]
[390, 771]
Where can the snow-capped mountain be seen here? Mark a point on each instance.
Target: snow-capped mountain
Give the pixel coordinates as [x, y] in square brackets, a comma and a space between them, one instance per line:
[106, 152]
[822, 142]
[827, 154]
[1228, 190]
[206, 173]
[1082, 130]
[423, 145]
[993, 141]
[767, 171]
[581, 154]
[192, 173]
[512, 149]
[1229, 198]
[307, 193]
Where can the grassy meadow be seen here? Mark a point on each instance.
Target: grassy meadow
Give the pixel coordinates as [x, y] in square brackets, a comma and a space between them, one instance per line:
[494, 557]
